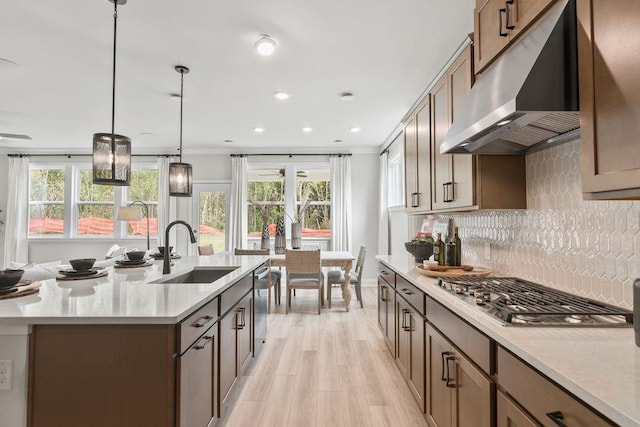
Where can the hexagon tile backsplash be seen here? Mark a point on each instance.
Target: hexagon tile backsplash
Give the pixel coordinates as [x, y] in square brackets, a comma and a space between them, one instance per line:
[590, 248]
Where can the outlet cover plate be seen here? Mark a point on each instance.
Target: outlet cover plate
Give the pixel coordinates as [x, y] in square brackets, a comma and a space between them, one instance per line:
[6, 374]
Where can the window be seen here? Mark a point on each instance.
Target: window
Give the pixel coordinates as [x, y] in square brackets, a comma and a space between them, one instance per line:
[64, 203]
[395, 176]
[298, 193]
[210, 204]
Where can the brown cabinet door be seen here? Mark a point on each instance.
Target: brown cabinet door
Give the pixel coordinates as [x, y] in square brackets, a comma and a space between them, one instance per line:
[243, 316]
[510, 415]
[490, 32]
[423, 141]
[439, 397]
[417, 358]
[197, 383]
[411, 165]
[608, 42]
[472, 394]
[441, 195]
[385, 300]
[227, 362]
[522, 13]
[403, 332]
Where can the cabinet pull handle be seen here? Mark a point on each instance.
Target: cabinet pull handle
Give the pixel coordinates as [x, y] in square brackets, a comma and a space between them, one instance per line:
[448, 196]
[445, 357]
[407, 291]
[557, 418]
[508, 14]
[201, 321]
[242, 324]
[500, 32]
[404, 319]
[206, 340]
[383, 291]
[449, 382]
[414, 200]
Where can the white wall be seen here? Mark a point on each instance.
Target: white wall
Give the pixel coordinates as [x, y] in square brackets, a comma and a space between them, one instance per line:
[4, 182]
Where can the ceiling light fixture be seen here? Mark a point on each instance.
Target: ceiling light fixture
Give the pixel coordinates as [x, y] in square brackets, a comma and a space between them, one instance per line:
[503, 122]
[258, 130]
[347, 96]
[181, 174]
[111, 152]
[265, 45]
[354, 129]
[307, 129]
[337, 140]
[282, 95]
[228, 140]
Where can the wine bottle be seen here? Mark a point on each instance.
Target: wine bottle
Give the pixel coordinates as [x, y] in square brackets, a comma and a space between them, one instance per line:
[458, 243]
[438, 250]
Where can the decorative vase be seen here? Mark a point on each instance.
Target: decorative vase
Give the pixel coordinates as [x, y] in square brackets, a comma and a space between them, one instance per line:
[281, 238]
[264, 242]
[296, 235]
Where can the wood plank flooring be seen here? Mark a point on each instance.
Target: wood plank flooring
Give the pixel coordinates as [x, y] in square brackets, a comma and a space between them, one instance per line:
[332, 369]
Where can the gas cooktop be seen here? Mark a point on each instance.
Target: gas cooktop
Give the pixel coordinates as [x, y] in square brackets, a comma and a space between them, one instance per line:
[517, 302]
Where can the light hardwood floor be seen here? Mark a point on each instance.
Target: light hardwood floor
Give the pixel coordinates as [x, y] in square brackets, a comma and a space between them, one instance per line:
[332, 369]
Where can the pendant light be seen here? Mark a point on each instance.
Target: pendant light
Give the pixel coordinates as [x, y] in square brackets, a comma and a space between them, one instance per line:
[112, 152]
[180, 174]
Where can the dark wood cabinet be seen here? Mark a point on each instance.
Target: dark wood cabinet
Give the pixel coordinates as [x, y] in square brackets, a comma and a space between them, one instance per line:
[497, 23]
[410, 348]
[509, 413]
[458, 393]
[608, 42]
[417, 143]
[386, 304]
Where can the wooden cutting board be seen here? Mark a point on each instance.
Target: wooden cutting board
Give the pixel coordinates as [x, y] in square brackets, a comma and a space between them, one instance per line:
[93, 276]
[23, 291]
[454, 272]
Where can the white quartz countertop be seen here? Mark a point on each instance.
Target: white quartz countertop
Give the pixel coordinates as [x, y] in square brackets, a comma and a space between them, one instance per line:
[126, 295]
[601, 366]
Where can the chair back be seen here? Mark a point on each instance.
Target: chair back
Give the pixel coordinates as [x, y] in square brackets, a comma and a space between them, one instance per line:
[302, 262]
[205, 249]
[360, 262]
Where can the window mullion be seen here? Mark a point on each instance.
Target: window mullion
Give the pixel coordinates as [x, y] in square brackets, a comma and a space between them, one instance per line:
[70, 197]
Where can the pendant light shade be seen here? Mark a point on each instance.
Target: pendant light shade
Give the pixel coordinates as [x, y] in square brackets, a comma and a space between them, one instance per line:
[180, 174]
[111, 152]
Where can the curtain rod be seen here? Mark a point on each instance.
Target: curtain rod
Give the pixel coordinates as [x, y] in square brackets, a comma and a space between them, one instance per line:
[395, 138]
[294, 154]
[85, 155]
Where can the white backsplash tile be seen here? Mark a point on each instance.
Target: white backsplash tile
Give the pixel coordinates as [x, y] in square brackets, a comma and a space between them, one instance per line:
[590, 248]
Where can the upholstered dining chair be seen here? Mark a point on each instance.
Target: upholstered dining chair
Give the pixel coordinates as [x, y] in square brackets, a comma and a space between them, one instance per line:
[304, 271]
[267, 278]
[337, 277]
[205, 249]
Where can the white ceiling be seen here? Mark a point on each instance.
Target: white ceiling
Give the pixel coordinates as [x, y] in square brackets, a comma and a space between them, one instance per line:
[384, 51]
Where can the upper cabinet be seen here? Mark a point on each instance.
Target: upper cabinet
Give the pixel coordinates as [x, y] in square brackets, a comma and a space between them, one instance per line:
[455, 182]
[608, 42]
[498, 22]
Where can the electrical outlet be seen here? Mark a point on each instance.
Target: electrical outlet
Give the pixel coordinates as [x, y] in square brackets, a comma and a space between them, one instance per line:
[487, 251]
[6, 374]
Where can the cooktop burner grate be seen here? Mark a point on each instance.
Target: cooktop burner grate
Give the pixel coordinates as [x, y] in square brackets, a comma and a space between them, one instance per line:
[523, 302]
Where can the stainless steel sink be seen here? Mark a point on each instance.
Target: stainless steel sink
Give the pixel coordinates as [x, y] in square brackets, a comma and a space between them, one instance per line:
[200, 275]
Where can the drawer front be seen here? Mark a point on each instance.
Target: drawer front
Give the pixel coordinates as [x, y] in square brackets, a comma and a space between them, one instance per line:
[540, 397]
[468, 339]
[195, 325]
[411, 293]
[387, 274]
[231, 296]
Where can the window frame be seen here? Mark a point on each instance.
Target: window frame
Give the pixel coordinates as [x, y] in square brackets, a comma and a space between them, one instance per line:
[395, 177]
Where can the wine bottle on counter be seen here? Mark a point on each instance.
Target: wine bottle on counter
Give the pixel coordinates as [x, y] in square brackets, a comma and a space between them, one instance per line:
[438, 250]
[458, 243]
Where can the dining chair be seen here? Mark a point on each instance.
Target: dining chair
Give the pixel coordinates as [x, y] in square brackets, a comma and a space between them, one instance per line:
[304, 271]
[266, 278]
[336, 277]
[205, 249]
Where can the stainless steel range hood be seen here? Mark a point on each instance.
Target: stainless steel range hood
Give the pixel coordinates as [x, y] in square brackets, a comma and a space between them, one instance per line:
[529, 96]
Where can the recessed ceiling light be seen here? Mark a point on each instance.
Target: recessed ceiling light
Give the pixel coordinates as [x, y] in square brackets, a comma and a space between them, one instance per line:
[265, 45]
[307, 129]
[282, 95]
[354, 129]
[503, 122]
[347, 96]
[258, 130]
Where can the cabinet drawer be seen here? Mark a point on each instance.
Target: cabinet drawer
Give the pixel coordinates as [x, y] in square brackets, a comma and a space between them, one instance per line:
[195, 325]
[231, 296]
[468, 339]
[411, 293]
[387, 274]
[539, 396]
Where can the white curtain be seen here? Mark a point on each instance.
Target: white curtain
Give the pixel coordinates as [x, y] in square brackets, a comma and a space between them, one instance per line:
[166, 206]
[238, 211]
[383, 211]
[340, 203]
[16, 248]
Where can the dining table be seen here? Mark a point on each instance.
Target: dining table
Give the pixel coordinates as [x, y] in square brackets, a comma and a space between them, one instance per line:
[342, 259]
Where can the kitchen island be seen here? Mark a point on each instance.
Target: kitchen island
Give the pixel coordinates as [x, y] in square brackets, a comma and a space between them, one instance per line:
[599, 366]
[134, 329]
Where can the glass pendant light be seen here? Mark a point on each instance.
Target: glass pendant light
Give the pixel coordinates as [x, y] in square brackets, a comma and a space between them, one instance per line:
[180, 174]
[112, 152]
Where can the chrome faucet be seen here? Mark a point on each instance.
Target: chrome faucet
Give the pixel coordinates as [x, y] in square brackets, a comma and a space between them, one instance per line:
[166, 268]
